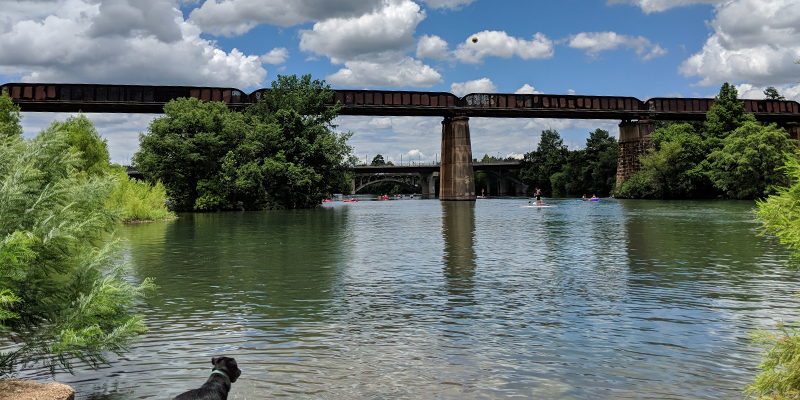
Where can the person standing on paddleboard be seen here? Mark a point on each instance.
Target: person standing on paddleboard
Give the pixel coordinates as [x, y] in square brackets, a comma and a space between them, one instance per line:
[538, 195]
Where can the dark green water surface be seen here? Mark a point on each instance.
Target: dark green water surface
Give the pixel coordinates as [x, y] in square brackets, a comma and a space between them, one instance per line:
[431, 300]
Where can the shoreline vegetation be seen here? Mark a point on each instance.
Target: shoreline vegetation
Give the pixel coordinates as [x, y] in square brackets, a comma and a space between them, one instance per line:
[65, 293]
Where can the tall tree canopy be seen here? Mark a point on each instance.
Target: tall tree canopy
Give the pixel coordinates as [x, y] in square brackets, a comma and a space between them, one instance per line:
[592, 170]
[282, 152]
[377, 161]
[548, 158]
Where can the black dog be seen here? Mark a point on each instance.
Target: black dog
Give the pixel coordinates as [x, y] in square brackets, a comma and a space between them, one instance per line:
[218, 385]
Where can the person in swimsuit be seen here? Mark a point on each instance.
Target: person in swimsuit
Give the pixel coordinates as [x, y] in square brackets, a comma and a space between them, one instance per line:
[538, 195]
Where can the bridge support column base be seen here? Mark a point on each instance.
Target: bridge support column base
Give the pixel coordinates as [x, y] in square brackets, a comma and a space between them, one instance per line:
[634, 141]
[456, 177]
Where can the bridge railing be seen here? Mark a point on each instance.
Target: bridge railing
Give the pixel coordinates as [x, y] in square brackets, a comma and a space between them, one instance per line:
[121, 93]
[383, 99]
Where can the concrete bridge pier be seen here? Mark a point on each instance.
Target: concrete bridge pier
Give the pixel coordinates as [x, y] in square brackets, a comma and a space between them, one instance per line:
[428, 183]
[502, 184]
[634, 141]
[456, 180]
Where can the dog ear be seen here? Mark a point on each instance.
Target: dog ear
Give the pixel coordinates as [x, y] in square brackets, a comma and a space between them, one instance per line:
[214, 361]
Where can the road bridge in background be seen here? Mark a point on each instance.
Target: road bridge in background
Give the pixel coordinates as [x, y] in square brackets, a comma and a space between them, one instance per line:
[637, 117]
[423, 177]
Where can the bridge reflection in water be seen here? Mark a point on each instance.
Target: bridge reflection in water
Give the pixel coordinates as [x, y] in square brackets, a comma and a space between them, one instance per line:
[458, 230]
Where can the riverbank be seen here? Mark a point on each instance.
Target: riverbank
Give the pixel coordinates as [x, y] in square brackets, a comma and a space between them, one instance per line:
[18, 389]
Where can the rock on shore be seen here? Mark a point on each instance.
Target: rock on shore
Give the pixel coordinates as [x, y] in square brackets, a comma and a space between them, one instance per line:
[18, 389]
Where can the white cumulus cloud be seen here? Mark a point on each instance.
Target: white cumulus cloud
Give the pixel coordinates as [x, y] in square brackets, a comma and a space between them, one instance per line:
[432, 47]
[341, 39]
[483, 85]
[236, 17]
[756, 41]
[527, 89]
[397, 71]
[372, 47]
[500, 44]
[275, 56]
[75, 43]
[650, 6]
[453, 4]
[596, 42]
[748, 91]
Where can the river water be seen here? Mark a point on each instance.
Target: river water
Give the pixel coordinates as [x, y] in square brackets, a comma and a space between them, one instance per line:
[442, 300]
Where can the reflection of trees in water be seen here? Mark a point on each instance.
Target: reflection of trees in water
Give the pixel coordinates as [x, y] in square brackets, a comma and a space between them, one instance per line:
[271, 263]
[458, 228]
[671, 243]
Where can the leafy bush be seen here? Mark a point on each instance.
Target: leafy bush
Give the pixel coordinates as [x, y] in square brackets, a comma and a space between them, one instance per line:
[780, 378]
[138, 200]
[62, 298]
[133, 199]
[746, 166]
[779, 215]
[639, 186]
[83, 137]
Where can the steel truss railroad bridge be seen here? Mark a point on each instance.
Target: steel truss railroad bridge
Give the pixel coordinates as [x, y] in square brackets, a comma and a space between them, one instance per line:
[456, 170]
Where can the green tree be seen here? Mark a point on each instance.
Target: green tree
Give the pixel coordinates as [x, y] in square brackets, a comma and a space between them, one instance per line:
[282, 152]
[378, 161]
[541, 164]
[184, 149]
[83, 136]
[9, 117]
[592, 170]
[747, 165]
[727, 114]
[62, 298]
[678, 161]
[311, 159]
[771, 93]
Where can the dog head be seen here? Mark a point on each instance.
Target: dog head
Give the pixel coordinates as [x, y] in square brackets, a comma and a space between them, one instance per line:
[228, 366]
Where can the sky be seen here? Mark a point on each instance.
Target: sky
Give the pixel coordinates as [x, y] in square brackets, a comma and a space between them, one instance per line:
[639, 48]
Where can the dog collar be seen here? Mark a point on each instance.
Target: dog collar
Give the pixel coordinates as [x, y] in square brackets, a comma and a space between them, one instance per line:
[216, 371]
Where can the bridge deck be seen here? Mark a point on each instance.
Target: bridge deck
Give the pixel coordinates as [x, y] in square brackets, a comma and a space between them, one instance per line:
[422, 169]
[47, 97]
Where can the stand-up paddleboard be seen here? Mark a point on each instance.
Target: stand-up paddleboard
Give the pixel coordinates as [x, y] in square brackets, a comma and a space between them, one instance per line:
[537, 206]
